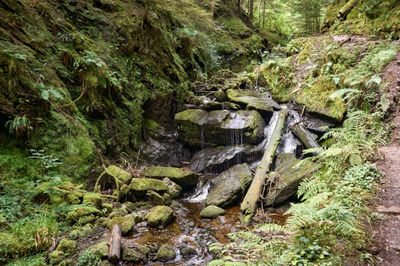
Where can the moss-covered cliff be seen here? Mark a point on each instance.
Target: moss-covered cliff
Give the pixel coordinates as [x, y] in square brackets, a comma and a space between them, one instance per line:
[76, 76]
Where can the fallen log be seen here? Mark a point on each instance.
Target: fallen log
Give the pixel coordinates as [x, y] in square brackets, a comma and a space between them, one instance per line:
[346, 9]
[249, 204]
[114, 252]
[305, 136]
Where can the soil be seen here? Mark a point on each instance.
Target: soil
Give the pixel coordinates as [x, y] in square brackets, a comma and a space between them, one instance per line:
[386, 241]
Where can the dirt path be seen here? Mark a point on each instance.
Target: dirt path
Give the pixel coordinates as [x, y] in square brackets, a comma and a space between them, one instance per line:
[386, 242]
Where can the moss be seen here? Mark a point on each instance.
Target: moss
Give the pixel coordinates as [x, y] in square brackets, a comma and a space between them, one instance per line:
[67, 246]
[177, 175]
[126, 223]
[100, 250]
[81, 212]
[92, 198]
[141, 185]
[56, 257]
[160, 215]
[166, 253]
[119, 173]
[211, 212]
[317, 99]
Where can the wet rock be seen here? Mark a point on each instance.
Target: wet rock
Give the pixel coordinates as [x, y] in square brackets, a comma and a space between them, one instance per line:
[177, 175]
[318, 126]
[67, 246]
[187, 252]
[83, 214]
[174, 189]
[139, 186]
[119, 173]
[158, 132]
[56, 257]
[211, 212]
[159, 216]
[199, 128]
[238, 177]
[164, 153]
[126, 223]
[211, 105]
[230, 106]
[286, 178]
[166, 253]
[100, 250]
[219, 159]
[132, 255]
[254, 100]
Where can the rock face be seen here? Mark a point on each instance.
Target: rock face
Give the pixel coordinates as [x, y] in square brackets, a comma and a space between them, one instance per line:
[177, 175]
[139, 186]
[254, 100]
[212, 212]
[198, 128]
[286, 178]
[160, 216]
[219, 159]
[229, 186]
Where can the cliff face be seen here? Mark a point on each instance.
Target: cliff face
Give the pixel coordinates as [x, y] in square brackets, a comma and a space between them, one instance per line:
[76, 75]
[379, 19]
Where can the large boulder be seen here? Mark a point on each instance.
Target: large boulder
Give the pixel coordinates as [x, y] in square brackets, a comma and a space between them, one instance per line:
[286, 178]
[200, 128]
[238, 177]
[139, 186]
[221, 158]
[254, 100]
[160, 216]
[177, 175]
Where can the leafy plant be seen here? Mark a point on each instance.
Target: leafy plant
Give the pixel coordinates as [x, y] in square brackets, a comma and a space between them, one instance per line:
[19, 125]
[88, 259]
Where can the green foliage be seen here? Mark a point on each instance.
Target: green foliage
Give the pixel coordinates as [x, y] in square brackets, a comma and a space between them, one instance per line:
[88, 258]
[19, 125]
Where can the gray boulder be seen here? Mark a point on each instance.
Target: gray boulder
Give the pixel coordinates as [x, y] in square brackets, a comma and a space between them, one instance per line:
[229, 186]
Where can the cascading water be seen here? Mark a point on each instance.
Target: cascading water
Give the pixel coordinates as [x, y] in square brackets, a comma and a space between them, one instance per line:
[200, 193]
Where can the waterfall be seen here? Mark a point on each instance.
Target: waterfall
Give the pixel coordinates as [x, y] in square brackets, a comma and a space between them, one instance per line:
[200, 193]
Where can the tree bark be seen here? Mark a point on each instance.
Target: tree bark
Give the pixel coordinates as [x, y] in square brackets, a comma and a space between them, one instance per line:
[305, 136]
[249, 203]
[114, 253]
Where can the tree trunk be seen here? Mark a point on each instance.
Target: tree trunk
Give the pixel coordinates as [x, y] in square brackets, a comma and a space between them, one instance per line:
[251, 11]
[263, 19]
[114, 253]
[304, 136]
[212, 9]
[249, 203]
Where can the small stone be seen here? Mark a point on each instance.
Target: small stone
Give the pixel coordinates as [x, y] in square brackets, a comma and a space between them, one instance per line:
[166, 253]
[212, 212]
[390, 210]
[187, 252]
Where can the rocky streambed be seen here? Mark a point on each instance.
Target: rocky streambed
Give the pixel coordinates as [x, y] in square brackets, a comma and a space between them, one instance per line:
[173, 214]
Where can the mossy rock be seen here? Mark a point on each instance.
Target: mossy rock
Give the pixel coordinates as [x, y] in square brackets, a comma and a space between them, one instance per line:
[160, 216]
[67, 262]
[212, 212]
[132, 255]
[74, 197]
[238, 177]
[155, 198]
[200, 128]
[166, 253]
[100, 250]
[122, 211]
[254, 100]
[126, 223]
[139, 186]
[286, 178]
[80, 213]
[56, 257]
[119, 173]
[177, 175]
[174, 190]
[92, 198]
[67, 246]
